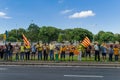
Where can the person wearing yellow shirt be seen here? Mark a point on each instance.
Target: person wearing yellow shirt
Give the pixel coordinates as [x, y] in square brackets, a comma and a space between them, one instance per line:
[22, 51]
[116, 52]
[62, 50]
[39, 50]
[27, 52]
[71, 54]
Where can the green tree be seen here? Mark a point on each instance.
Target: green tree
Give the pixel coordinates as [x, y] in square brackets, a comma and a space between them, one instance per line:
[60, 38]
[104, 37]
[117, 37]
[47, 34]
[32, 32]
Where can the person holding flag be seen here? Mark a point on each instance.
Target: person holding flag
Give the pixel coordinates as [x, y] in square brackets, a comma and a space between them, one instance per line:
[27, 47]
[85, 43]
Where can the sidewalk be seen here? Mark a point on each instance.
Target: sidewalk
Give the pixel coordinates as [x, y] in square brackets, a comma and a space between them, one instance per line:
[64, 63]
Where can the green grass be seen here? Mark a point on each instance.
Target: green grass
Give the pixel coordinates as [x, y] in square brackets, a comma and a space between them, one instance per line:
[75, 58]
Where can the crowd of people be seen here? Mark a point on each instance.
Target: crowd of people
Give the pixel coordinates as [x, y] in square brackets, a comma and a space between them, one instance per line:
[53, 52]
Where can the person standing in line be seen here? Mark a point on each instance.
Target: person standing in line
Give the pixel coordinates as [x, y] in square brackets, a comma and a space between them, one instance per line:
[88, 52]
[71, 54]
[45, 52]
[116, 52]
[110, 52]
[103, 49]
[17, 50]
[52, 47]
[10, 51]
[62, 51]
[22, 52]
[27, 52]
[97, 52]
[80, 49]
[57, 51]
[39, 48]
[6, 52]
[67, 50]
[1, 52]
[33, 49]
[48, 51]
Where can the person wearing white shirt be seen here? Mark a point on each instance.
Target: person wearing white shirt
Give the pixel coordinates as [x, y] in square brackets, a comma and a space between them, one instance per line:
[97, 54]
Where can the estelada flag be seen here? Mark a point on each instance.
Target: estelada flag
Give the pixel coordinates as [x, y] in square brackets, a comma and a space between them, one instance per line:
[26, 42]
[86, 42]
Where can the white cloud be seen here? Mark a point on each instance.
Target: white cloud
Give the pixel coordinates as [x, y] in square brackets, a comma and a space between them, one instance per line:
[82, 14]
[4, 15]
[66, 11]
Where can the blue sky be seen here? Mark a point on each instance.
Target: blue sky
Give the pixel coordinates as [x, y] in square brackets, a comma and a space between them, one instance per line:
[94, 15]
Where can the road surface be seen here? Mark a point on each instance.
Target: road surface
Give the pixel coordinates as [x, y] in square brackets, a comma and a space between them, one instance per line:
[58, 73]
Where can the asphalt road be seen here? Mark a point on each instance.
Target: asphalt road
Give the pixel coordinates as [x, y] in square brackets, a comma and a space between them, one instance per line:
[58, 73]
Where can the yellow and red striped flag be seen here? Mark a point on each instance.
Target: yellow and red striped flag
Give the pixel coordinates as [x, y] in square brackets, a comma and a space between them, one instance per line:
[26, 42]
[86, 42]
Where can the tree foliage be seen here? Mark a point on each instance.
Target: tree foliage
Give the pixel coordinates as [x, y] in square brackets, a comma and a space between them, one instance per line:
[49, 33]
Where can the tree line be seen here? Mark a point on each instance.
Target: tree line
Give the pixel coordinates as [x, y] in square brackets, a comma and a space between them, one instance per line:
[49, 33]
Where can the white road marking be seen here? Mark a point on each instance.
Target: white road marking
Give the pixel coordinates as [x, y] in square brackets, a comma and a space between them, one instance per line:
[84, 76]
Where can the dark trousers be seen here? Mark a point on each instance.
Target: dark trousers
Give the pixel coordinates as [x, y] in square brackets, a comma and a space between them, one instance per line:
[116, 57]
[17, 56]
[22, 56]
[10, 55]
[27, 55]
[6, 56]
[63, 55]
[71, 54]
[39, 55]
[1, 55]
[51, 55]
[110, 57]
[33, 55]
[97, 56]
[45, 55]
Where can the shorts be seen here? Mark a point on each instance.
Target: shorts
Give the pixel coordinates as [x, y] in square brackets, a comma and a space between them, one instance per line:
[33, 52]
[103, 54]
[71, 54]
